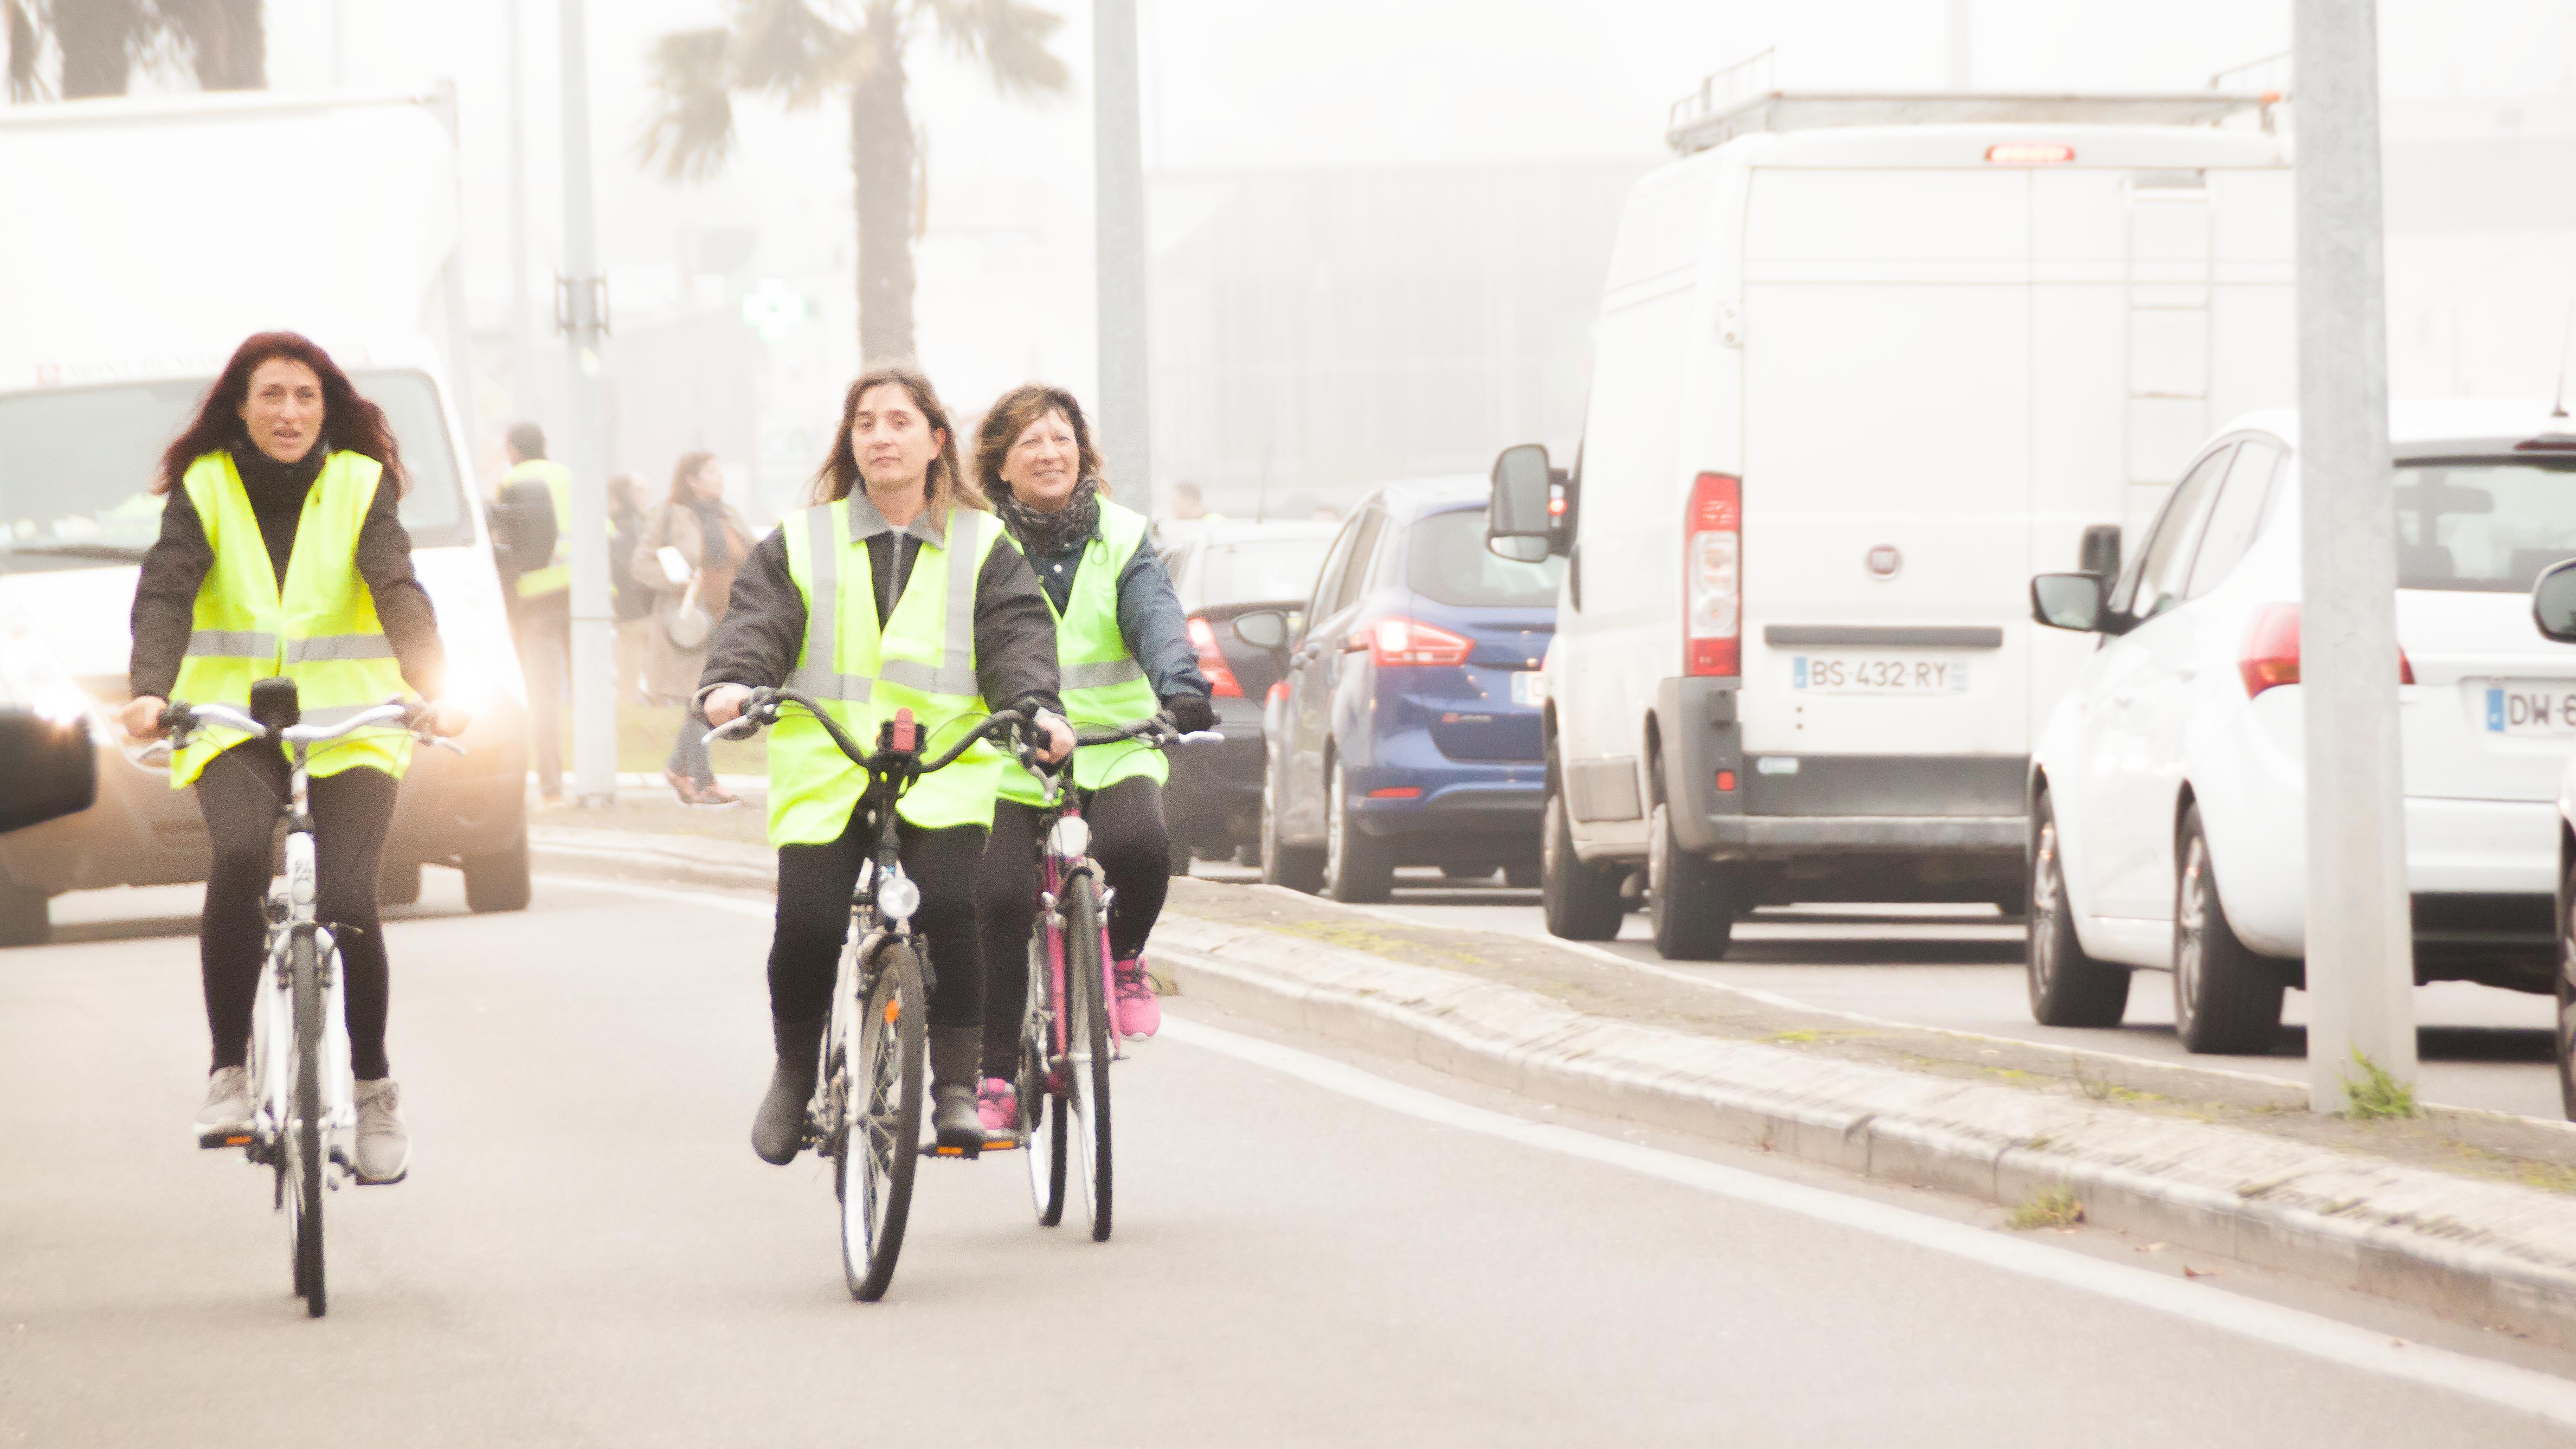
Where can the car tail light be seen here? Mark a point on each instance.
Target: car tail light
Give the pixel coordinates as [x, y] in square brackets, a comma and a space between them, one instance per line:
[1278, 692]
[1713, 576]
[2271, 652]
[1220, 675]
[1409, 641]
[2030, 153]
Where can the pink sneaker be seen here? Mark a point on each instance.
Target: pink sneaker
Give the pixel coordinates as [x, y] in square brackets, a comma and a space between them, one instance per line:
[998, 1104]
[1136, 1013]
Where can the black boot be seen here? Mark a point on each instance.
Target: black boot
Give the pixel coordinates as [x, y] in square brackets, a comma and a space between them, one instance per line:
[955, 1053]
[778, 1130]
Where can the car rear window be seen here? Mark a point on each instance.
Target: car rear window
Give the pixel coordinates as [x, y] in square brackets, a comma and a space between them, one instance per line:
[1260, 571]
[2483, 525]
[1446, 561]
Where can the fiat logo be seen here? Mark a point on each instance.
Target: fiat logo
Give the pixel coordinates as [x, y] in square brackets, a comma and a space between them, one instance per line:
[1884, 561]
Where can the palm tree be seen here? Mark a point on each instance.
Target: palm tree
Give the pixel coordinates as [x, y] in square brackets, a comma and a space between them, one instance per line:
[225, 42]
[803, 52]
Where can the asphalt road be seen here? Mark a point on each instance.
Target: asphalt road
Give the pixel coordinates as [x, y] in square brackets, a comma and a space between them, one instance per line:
[1961, 967]
[588, 1254]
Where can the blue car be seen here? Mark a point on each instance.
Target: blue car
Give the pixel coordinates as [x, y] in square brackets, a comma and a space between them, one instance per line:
[1405, 729]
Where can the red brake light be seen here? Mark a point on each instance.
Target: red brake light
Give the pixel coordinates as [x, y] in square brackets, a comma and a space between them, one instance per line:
[1713, 576]
[1278, 692]
[2271, 652]
[2029, 153]
[1407, 641]
[1220, 675]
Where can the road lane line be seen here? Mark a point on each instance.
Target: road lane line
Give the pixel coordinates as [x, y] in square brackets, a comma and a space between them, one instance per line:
[673, 895]
[2507, 1386]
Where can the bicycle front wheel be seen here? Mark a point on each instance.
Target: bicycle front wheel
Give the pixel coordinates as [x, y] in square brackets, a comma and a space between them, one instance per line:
[1042, 1134]
[1087, 1046]
[881, 1119]
[303, 1138]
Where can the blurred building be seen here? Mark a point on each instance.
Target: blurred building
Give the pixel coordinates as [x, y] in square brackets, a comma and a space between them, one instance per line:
[1316, 332]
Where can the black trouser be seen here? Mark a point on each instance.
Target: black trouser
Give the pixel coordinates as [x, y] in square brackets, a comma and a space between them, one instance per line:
[1135, 853]
[545, 656]
[241, 795]
[814, 885]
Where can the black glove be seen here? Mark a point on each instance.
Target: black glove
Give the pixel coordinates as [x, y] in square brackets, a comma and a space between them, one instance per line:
[1190, 713]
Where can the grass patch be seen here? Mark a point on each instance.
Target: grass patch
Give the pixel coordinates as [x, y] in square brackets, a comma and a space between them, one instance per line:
[2054, 1209]
[2377, 1096]
[1796, 1036]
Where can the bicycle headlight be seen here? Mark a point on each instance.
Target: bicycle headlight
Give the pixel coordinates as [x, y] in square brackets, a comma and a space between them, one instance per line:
[898, 897]
[1071, 838]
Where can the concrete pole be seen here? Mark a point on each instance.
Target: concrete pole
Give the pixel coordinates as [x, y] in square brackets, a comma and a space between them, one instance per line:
[1956, 35]
[2361, 956]
[523, 345]
[584, 448]
[1118, 167]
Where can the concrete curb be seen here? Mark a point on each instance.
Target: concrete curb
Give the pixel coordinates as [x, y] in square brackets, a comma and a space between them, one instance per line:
[2485, 1252]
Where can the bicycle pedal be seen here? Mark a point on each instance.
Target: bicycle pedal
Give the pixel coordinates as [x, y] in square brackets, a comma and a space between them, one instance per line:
[1002, 1142]
[209, 1141]
[936, 1149]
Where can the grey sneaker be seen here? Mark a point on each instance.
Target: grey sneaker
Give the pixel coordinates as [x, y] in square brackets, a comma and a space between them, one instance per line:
[225, 1119]
[384, 1145]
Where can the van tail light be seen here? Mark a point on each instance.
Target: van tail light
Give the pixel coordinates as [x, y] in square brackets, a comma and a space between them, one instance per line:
[1220, 675]
[1409, 641]
[1713, 576]
[2271, 652]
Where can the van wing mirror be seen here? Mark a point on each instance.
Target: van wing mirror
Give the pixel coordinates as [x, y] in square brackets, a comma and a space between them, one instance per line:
[2067, 601]
[1264, 629]
[1521, 495]
[2099, 553]
[48, 767]
[2553, 602]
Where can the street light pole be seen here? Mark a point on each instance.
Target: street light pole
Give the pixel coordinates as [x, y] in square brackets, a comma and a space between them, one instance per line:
[523, 347]
[1118, 169]
[581, 309]
[2360, 940]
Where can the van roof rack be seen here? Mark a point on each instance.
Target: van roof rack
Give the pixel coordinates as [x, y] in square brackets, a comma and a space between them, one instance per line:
[1742, 100]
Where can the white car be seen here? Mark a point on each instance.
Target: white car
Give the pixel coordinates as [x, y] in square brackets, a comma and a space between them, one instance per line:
[2166, 794]
[2553, 608]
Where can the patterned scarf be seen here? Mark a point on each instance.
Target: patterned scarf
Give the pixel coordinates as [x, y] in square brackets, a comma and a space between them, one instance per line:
[1044, 533]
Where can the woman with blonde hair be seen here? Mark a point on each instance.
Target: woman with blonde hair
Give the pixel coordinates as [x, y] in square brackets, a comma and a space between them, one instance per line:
[1124, 651]
[689, 554]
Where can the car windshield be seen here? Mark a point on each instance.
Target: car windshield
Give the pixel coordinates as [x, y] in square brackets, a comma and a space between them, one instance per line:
[1260, 570]
[76, 468]
[2483, 525]
[1447, 562]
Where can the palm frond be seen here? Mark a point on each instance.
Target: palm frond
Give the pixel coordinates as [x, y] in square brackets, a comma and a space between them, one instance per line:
[691, 132]
[27, 19]
[1010, 38]
[790, 49]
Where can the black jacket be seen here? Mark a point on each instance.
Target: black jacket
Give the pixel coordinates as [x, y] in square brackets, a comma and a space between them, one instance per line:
[1149, 615]
[764, 623]
[165, 593]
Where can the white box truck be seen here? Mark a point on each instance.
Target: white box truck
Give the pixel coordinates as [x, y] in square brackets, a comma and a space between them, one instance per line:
[146, 240]
[1863, 365]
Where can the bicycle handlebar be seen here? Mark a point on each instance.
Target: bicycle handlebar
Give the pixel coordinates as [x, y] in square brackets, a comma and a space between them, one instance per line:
[762, 709]
[182, 718]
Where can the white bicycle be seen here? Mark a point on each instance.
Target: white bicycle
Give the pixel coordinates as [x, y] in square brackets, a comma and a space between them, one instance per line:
[303, 1107]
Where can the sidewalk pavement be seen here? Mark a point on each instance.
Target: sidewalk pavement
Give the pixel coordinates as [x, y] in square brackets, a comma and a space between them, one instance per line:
[2467, 1214]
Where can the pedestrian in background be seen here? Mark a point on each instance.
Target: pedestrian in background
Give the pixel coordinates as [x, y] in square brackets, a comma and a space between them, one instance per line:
[632, 601]
[543, 618]
[689, 554]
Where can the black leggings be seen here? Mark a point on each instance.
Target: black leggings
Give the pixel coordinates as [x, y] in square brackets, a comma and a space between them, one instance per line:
[1134, 849]
[814, 885]
[240, 795]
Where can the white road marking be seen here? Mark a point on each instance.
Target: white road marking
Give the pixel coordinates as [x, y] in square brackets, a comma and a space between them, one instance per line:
[2518, 1389]
[673, 894]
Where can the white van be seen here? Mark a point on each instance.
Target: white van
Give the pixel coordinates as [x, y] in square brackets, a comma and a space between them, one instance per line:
[123, 306]
[1863, 365]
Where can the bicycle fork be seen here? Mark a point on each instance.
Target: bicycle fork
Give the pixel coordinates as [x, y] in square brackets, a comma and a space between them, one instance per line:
[291, 909]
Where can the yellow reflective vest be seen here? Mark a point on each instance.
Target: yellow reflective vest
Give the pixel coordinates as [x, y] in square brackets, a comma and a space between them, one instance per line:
[1103, 683]
[320, 629]
[557, 574]
[922, 660]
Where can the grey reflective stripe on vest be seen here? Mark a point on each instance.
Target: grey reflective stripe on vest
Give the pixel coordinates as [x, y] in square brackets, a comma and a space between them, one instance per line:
[956, 672]
[334, 647]
[817, 677]
[231, 644]
[1103, 674]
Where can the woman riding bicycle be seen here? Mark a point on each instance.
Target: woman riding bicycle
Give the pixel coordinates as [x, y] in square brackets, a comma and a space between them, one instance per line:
[281, 552]
[895, 590]
[1123, 647]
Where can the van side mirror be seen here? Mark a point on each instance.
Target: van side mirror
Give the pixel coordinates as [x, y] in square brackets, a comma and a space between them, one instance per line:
[1520, 503]
[2067, 601]
[2099, 553]
[48, 767]
[2553, 602]
[1265, 629]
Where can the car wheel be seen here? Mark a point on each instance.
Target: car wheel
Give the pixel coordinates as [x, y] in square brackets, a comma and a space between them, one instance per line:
[1180, 852]
[2567, 997]
[24, 918]
[398, 883]
[2226, 998]
[1579, 902]
[1358, 867]
[1298, 867]
[2067, 987]
[499, 881]
[1691, 902]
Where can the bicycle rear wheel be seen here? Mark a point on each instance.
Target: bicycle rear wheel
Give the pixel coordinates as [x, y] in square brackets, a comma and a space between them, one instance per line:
[303, 1146]
[1087, 1039]
[1041, 1131]
[880, 1137]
